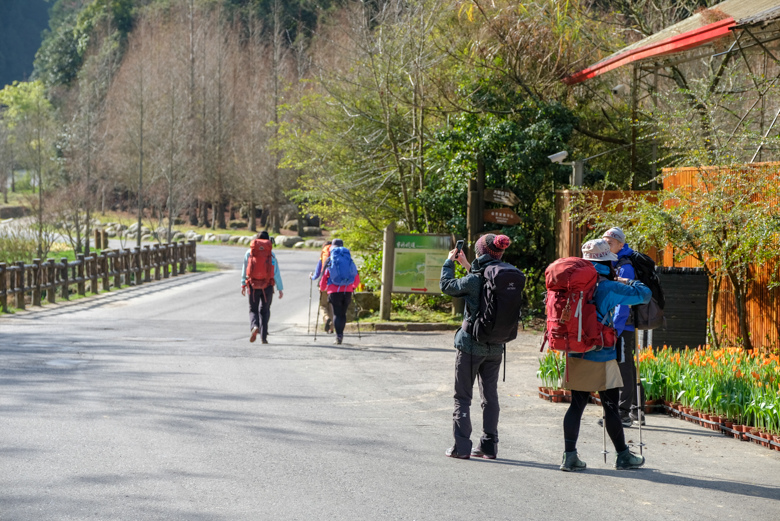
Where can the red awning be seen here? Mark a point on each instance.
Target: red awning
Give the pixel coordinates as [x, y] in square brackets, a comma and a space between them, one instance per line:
[671, 45]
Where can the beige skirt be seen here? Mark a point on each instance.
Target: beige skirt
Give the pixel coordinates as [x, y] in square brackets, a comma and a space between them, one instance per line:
[586, 375]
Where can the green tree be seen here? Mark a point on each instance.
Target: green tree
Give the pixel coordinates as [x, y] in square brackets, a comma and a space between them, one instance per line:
[31, 118]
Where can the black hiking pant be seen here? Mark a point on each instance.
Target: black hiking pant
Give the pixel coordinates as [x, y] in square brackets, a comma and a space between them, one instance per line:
[573, 418]
[339, 303]
[260, 309]
[467, 368]
[628, 400]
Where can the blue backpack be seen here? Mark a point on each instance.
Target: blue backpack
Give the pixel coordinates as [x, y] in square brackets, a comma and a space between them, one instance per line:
[342, 268]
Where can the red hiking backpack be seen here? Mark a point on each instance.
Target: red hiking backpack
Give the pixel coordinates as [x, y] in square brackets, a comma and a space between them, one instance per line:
[259, 269]
[572, 323]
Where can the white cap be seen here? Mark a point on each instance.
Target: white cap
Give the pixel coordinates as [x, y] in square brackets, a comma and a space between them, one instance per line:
[615, 233]
[597, 250]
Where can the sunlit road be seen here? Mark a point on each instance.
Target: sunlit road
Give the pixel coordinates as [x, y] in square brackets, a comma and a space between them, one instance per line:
[151, 404]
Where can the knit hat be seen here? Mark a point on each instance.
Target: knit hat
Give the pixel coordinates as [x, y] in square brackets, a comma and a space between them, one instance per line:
[615, 233]
[263, 235]
[493, 245]
[597, 250]
[337, 243]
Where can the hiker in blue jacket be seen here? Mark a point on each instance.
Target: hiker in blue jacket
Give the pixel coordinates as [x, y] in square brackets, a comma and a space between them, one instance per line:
[628, 401]
[474, 358]
[597, 370]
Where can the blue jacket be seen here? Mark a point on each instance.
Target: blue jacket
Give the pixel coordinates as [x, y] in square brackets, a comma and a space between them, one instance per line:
[609, 294]
[626, 271]
[277, 275]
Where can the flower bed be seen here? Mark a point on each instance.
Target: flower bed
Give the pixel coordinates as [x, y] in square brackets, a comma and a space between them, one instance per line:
[726, 390]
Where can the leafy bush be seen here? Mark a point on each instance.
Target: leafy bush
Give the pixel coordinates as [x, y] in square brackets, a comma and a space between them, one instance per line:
[16, 244]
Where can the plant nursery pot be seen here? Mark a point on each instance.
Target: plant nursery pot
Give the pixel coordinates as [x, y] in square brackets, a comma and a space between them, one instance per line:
[544, 393]
[728, 424]
[557, 395]
[737, 431]
[776, 439]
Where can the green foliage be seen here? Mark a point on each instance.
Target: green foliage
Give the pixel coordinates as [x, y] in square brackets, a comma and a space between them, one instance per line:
[21, 23]
[65, 45]
[16, 244]
[513, 137]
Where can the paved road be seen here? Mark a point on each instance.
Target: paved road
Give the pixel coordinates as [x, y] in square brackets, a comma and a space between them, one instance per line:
[151, 404]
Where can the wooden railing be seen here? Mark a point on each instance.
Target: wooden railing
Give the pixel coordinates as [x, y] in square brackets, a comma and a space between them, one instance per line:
[21, 282]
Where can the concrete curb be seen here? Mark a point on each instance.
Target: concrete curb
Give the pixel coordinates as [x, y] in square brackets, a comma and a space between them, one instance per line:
[400, 326]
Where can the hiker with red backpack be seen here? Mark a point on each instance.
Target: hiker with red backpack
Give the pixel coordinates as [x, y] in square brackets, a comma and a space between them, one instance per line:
[580, 308]
[339, 280]
[259, 275]
[628, 402]
[318, 272]
[493, 293]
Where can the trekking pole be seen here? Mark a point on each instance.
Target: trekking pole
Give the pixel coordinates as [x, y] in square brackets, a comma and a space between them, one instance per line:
[640, 407]
[604, 425]
[308, 317]
[316, 322]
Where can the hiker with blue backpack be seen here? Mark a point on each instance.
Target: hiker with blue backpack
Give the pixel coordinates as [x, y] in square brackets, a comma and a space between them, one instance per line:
[493, 293]
[629, 402]
[580, 307]
[339, 280]
[259, 275]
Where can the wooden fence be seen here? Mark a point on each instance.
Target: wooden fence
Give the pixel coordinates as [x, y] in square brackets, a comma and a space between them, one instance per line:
[763, 304]
[22, 283]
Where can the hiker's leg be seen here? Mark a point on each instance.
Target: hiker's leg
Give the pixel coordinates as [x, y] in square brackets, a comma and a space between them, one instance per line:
[489, 371]
[254, 302]
[465, 374]
[265, 310]
[572, 419]
[625, 358]
[609, 402]
[340, 302]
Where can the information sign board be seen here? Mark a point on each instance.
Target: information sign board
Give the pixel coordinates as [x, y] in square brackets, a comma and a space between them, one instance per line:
[417, 262]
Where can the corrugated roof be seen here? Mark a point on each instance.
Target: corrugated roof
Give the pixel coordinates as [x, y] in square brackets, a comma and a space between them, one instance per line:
[768, 16]
[694, 31]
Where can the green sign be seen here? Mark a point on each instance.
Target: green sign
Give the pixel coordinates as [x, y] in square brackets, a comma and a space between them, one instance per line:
[417, 262]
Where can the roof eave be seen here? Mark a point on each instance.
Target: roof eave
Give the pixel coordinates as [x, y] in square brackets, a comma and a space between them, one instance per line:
[671, 45]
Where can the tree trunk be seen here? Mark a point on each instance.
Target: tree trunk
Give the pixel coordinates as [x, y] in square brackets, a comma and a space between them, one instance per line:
[713, 335]
[193, 213]
[740, 299]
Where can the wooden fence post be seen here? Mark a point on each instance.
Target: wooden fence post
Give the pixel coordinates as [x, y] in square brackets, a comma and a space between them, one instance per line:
[137, 272]
[127, 266]
[174, 258]
[3, 288]
[194, 257]
[64, 276]
[147, 263]
[93, 274]
[183, 258]
[20, 285]
[80, 274]
[36, 271]
[51, 287]
[157, 257]
[104, 270]
[116, 264]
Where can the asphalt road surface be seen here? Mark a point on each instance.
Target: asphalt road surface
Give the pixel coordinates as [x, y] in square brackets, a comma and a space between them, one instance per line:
[151, 404]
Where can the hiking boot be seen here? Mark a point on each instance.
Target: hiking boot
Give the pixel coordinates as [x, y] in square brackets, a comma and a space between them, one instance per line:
[253, 336]
[452, 452]
[635, 420]
[265, 341]
[338, 340]
[628, 460]
[571, 462]
[479, 453]
[329, 326]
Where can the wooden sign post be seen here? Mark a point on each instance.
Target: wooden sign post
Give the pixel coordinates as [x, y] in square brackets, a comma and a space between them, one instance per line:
[501, 216]
[506, 197]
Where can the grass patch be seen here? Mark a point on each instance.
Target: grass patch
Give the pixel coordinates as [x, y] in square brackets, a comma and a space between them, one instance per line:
[419, 316]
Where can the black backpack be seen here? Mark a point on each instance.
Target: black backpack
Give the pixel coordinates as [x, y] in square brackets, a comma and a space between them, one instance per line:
[650, 315]
[499, 305]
